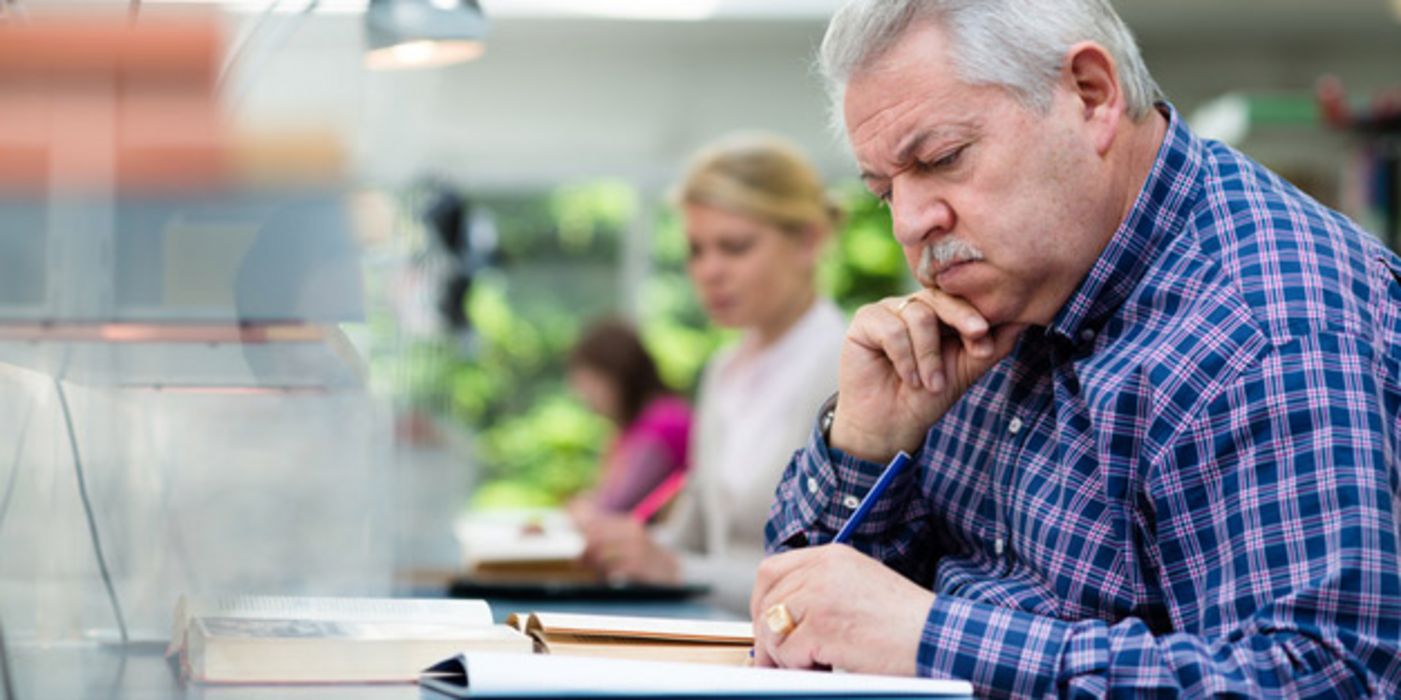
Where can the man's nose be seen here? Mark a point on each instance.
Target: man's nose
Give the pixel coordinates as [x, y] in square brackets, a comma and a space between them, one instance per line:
[918, 212]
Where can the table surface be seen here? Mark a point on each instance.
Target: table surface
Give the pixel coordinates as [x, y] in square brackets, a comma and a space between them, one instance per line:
[140, 671]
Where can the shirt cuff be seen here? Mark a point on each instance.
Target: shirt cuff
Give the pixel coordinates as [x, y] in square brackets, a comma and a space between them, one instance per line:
[1002, 651]
[822, 488]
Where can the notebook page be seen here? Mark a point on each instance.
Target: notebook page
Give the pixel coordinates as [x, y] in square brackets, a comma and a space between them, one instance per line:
[495, 675]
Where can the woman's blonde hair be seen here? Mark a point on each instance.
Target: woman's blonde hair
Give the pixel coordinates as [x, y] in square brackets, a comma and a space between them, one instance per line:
[760, 176]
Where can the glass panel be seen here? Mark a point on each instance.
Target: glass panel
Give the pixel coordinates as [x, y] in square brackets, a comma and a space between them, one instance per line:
[186, 398]
[23, 247]
[250, 258]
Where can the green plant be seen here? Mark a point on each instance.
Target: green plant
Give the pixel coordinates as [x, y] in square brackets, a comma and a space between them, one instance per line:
[865, 263]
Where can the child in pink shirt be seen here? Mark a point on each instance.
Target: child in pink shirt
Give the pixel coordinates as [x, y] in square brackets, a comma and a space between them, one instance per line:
[613, 374]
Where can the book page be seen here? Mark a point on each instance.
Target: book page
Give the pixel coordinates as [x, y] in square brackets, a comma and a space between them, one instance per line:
[715, 631]
[255, 628]
[252, 650]
[519, 621]
[494, 675]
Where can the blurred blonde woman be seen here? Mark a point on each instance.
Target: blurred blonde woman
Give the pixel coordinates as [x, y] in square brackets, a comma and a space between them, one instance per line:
[756, 216]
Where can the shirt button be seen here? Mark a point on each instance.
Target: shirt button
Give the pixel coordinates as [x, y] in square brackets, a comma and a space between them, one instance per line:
[1015, 426]
[812, 485]
[1087, 335]
[851, 502]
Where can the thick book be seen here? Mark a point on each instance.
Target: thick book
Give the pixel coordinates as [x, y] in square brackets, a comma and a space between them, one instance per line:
[644, 638]
[272, 639]
[500, 676]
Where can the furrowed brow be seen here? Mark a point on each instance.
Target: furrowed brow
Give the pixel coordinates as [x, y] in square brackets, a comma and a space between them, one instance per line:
[913, 143]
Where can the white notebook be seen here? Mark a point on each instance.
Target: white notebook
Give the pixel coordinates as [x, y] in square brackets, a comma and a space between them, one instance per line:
[493, 675]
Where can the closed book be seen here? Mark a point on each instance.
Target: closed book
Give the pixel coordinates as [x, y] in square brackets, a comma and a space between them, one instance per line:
[272, 639]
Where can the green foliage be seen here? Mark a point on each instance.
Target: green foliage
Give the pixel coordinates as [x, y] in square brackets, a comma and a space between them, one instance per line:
[552, 447]
[536, 444]
[865, 264]
[582, 212]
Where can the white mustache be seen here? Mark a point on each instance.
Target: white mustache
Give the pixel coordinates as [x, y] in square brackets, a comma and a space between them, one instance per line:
[947, 251]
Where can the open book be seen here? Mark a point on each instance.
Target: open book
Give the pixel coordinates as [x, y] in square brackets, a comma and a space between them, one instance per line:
[276, 639]
[487, 675]
[646, 638]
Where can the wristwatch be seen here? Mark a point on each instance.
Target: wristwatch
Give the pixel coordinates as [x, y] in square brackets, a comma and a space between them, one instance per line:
[825, 415]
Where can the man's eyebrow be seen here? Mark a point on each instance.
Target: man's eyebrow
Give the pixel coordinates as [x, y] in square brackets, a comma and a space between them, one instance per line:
[916, 141]
[902, 153]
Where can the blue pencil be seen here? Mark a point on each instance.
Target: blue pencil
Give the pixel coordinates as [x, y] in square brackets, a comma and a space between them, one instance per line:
[892, 470]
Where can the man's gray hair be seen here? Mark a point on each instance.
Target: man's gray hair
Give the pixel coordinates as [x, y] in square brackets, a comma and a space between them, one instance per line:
[1016, 44]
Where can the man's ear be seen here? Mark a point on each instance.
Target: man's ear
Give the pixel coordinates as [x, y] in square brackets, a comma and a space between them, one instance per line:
[1092, 76]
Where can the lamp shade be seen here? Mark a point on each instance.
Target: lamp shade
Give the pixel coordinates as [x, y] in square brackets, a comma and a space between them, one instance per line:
[423, 33]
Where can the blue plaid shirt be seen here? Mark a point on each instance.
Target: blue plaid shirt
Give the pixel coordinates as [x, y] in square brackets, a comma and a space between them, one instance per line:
[1186, 484]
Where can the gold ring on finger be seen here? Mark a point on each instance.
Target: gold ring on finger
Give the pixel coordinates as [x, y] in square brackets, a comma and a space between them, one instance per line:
[903, 303]
[779, 620]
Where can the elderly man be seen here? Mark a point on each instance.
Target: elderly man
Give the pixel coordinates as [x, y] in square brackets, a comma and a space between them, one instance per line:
[1152, 391]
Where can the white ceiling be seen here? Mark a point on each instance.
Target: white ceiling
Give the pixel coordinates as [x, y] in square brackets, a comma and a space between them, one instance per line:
[1148, 16]
[1173, 15]
[565, 92]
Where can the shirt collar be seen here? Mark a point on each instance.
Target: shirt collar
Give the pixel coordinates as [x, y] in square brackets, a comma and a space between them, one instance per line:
[1162, 206]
